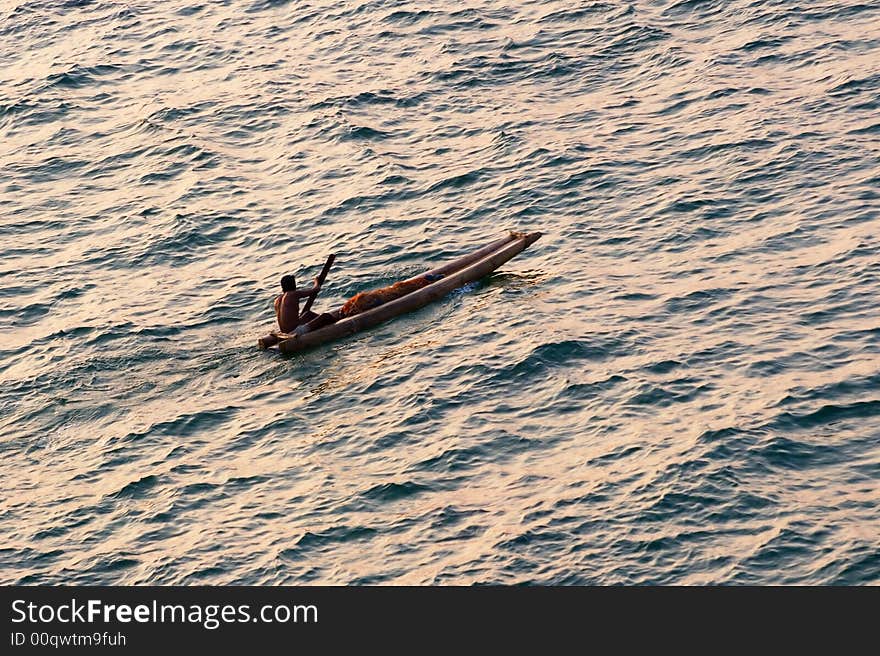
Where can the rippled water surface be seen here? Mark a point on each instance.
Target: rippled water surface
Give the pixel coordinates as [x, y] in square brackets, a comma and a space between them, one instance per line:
[677, 384]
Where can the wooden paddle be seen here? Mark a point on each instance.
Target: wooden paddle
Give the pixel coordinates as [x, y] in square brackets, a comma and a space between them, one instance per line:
[321, 277]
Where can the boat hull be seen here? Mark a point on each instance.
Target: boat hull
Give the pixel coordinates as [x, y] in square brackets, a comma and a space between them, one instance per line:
[457, 273]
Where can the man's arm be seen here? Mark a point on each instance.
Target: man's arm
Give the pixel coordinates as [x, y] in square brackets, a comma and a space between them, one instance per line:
[305, 293]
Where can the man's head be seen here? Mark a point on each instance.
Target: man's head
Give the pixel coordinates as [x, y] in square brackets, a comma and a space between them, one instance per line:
[288, 283]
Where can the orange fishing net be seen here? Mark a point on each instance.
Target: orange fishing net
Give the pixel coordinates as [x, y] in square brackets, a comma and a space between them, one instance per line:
[369, 300]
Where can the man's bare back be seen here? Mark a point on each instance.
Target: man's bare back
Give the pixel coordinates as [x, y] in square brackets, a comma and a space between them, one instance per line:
[287, 304]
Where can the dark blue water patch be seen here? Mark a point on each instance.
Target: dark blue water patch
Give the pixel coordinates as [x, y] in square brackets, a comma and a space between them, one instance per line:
[270, 515]
[454, 460]
[369, 203]
[191, 497]
[26, 315]
[11, 109]
[833, 313]
[856, 86]
[469, 532]
[870, 105]
[866, 337]
[586, 10]
[860, 565]
[567, 353]
[496, 445]
[684, 240]
[390, 492]
[457, 181]
[73, 79]
[536, 539]
[825, 12]
[607, 458]
[184, 425]
[365, 133]
[692, 501]
[183, 468]
[766, 43]
[578, 179]
[173, 114]
[695, 9]
[548, 158]
[586, 391]
[828, 414]
[464, 19]
[322, 540]
[552, 516]
[69, 411]
[783, 453]
[395, 179]
[781, 165]
[663, 367]
[192, 46]
[559, 65]
[694, 205]
[238, 484]
[54, 168]
[264, 5]
[697, 300]
[666, 547]
[636, 296]
[190, 10]
[367, 99]
[213, 572]
[486, 70]
[663, 395]
[190, 237]
[199, 491]
[184, 150]
[64, 379]
[77, 4]
[679, 101]
[448, 516]
[787, 550]
[633, 40]
[407, 18]
[701, 153]
[768, 367]
[170, 172]
[870, 129]
[137, 489]
[174, 514]
[743, 505]
[292, 424]
[78, 517]
[27, 225]
[565, 576]
[93, 336]
[729, 444]
[111, 565]
[224, 312]
[25, 559]
[669, 58]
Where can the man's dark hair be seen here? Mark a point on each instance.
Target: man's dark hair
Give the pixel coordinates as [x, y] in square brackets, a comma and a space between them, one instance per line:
[288, 283]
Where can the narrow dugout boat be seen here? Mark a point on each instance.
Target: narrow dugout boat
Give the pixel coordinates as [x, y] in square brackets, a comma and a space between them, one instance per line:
[455, 274]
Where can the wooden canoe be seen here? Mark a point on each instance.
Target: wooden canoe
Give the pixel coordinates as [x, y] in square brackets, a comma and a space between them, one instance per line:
[457, 273]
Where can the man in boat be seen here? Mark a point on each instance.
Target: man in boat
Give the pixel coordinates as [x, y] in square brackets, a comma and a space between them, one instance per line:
[366, 301]
[287, 304]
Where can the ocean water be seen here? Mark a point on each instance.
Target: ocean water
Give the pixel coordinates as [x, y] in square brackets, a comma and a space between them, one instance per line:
[678, 384]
